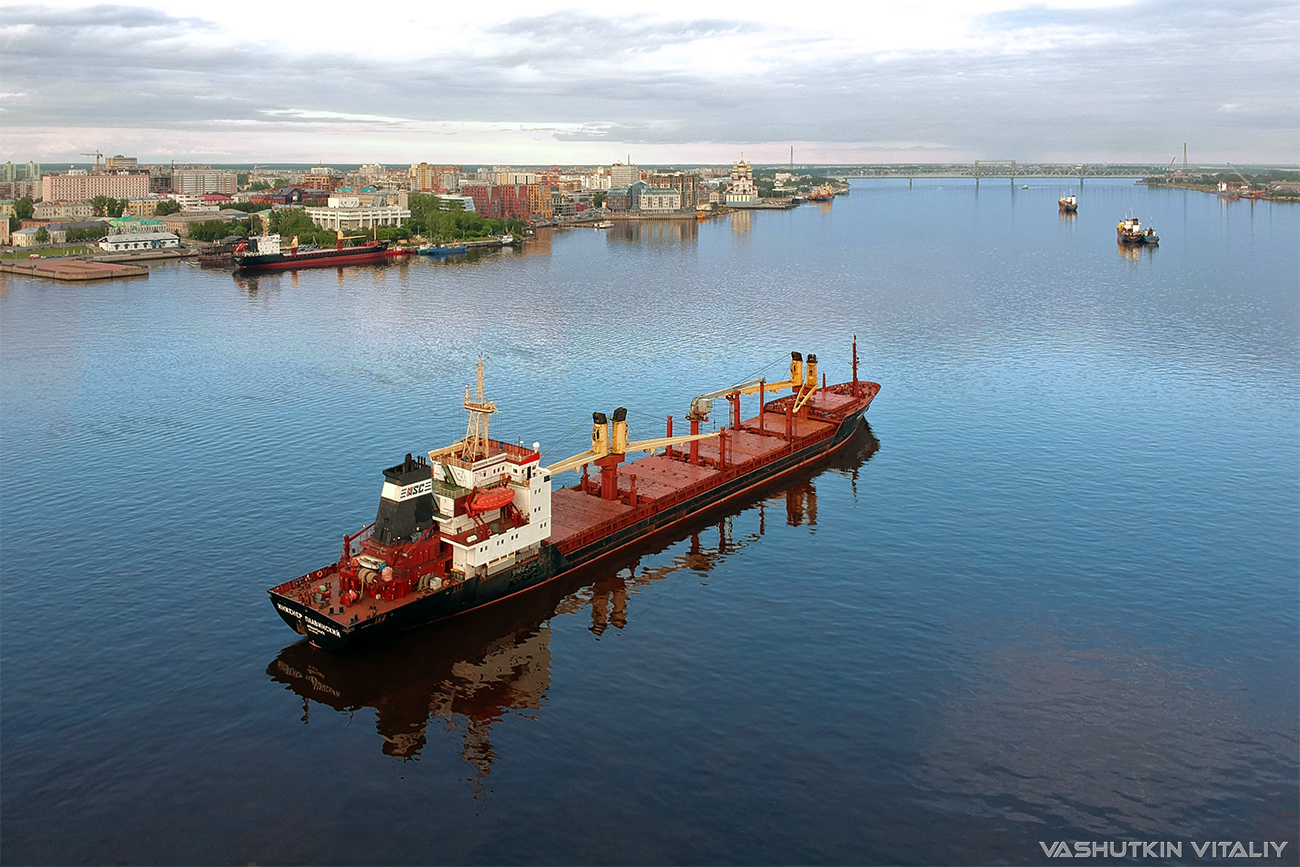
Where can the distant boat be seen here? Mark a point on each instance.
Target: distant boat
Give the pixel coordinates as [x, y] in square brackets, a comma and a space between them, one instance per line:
[824, 193]
[605, 224]
[1068, 203]
[1130, 231]
[442, 249]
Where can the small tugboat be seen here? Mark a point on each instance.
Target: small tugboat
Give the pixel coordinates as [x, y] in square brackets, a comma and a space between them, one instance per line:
[262, 253]
[1068, 203]
[476, 521]
[1130, 231]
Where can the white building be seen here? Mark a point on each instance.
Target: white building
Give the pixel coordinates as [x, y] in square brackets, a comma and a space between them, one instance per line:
[200, 181]
[661, 200]
[144, 241]
[742, 190]
[355, 215]
[621, 176]
[193, 203]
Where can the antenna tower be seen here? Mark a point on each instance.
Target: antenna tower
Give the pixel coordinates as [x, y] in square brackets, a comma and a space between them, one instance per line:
[480, 416]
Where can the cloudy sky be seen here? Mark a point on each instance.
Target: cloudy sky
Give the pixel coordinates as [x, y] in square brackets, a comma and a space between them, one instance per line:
[549, 81]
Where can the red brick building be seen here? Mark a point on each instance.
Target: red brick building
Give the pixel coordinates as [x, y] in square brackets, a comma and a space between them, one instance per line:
[506, 200]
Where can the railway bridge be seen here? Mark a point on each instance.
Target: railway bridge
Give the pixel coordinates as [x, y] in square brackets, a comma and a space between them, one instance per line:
[1006, 169]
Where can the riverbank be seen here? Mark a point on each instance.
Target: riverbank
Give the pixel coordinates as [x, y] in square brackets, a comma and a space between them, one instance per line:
[1288, 191]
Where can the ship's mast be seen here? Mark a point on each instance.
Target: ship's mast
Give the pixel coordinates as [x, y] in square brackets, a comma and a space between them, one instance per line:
[480, 416]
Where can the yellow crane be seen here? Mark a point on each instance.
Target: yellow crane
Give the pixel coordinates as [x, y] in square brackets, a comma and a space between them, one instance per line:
[609, 439]
[97, 155]
[343, 237]
[803, 381]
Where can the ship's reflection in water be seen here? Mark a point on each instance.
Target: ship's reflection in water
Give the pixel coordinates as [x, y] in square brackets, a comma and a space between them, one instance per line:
[468, 672]
[1133, 252]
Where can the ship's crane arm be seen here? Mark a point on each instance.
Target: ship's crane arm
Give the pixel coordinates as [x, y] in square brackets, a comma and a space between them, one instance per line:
[603, 445]
[571, 463]
[703, 405]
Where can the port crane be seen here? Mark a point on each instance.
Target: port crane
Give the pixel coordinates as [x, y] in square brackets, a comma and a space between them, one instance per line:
[1244, 181]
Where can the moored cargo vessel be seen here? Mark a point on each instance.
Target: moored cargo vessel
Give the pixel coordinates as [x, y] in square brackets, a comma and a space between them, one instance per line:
[263, 253]
[476, 521]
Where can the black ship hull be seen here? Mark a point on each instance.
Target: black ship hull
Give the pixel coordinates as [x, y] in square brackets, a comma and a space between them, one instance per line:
[367, 254]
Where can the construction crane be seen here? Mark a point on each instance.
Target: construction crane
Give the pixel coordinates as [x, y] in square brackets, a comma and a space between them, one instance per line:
[97, 155]
[1240, 175]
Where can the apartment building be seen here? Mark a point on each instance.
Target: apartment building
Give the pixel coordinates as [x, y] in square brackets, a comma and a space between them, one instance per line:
[84, 187]
[687, 185]
[196, 182]
[622, 176]
[62, 211]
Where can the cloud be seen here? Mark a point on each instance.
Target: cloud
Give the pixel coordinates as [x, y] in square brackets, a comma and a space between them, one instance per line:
[1034, 82]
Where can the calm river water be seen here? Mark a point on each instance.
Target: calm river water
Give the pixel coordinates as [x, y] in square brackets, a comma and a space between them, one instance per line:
[1050, 595]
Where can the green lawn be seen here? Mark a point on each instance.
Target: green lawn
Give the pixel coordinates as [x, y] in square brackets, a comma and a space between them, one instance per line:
[70, 250]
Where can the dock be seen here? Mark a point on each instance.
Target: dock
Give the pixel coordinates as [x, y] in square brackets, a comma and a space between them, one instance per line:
[72, 270]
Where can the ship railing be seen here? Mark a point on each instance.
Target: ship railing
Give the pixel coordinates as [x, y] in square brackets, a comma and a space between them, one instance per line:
[516, 453]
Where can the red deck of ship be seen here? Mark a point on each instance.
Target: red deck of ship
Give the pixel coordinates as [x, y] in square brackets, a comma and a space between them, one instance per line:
[661, 481]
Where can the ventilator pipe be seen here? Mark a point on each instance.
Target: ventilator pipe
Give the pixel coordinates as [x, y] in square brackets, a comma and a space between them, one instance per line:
[599, 434]
[618, 437]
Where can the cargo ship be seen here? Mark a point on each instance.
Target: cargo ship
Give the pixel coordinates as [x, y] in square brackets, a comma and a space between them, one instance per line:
[824, 193]
[1068, 203]
[477, 521]
[263, 253]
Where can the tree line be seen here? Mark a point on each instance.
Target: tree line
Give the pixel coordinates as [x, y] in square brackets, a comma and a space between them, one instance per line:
[441, 220]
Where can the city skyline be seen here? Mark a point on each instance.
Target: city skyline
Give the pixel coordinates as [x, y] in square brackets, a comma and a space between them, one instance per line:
[530, 83]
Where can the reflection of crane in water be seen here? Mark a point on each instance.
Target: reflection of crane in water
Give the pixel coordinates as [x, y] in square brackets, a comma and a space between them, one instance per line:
[472, 671]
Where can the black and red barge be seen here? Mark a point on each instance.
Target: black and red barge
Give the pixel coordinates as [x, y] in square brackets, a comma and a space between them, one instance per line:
[477, 521]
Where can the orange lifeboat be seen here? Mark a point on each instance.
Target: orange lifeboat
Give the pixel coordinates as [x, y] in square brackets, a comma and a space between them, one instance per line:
[486, 501]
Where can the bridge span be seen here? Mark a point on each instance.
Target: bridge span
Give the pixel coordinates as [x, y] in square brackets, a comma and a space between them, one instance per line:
[1005, 169]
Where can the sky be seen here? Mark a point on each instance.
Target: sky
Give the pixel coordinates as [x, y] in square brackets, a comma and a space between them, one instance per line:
[677, 81]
